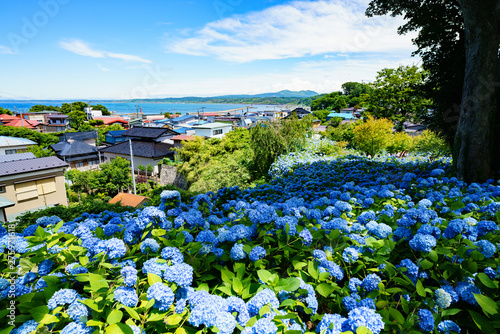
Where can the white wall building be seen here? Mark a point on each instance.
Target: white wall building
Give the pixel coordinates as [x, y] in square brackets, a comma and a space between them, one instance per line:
[212, 130]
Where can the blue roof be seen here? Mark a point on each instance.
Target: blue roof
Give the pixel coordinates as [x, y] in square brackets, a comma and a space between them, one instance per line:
[116, 133]
[182, 118]
[197, 123]
[182, 130]
[344, 115]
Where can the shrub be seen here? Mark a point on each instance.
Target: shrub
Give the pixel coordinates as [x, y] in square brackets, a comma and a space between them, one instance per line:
[343, 132]
[372, 136]
[432, 144]
[400, 142]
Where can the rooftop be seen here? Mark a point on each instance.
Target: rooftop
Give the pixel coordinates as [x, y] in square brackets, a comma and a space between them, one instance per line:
[126, 199]
[72, 148]
[17, 157]
[148, 132]
[31, 165]
[14, 141]
[145, 149]
[184, 137]
[78, 135]
[24, 123]
[213, 126]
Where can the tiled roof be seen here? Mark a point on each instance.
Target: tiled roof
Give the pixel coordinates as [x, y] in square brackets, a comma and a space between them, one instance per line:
[78, 135]
[17, 157]
[213, 126]
[145, 149]
[74, 148]
[116, 133]
[6, 141]
[183, 118]
[110, 119]
[25, 123]
[127, 199]
[148, 132]
[25, 166]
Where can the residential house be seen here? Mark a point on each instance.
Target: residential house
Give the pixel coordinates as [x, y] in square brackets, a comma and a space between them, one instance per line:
[210, 116]
[113, 137]
[144, 152]
[25, 123]
[57, 123]
[213, 130]
[13, 145]
[127, 199]
[92, 114]
[5, 119]
[77, 154]
[299, 112]
[110, 120]
[31, 183]
[88, 137]
[160, 135]
[39, 116]
[183, 120]
[414, 129]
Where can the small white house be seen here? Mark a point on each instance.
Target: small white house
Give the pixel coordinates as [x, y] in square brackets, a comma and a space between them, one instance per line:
[13, 145]
[212, 130]
[92, 114]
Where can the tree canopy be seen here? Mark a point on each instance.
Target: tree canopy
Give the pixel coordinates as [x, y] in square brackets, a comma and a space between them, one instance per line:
[333, 101]
[397, 95]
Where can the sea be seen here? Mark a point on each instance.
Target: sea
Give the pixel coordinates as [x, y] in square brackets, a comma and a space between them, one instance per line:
[147, 108]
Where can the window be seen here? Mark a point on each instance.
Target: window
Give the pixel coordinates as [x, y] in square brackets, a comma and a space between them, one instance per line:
[217, 132]
[93, 162]
[13, 151]
[2, 189]
[78, 164]
[46, 186]
[26, 190]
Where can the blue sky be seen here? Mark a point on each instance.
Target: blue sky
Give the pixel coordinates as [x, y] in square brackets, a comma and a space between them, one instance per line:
[121, 49]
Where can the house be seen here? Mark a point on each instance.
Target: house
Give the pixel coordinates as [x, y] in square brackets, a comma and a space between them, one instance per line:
[150, 134]
[39, 116]
[24, 123]
[4, 203]
[88, 137]
[144, 152]
[186, 131]
[299, 112]
[57, 123]
[92, 114]
[183, 120]
[126, 199]
[110, 120]
[31, 183]
[213, 130]
[5, 119]
[12, 145]
[77, 154]
[210, 116]
[345, 116]
[113, 137]
[414, 129]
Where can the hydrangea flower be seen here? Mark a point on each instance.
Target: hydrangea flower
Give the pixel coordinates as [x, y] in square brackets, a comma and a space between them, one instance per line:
[371, 282]
[261, 298]
[443, 298]
[423, 242]
[163, 296]
[448, 326]
[63, 297]
[257, 253]
[149, 245]
[237, 252]
[180, 274]
[363, 316]
[129, 276]
[332, 323]
[126, 295]
[261, 326]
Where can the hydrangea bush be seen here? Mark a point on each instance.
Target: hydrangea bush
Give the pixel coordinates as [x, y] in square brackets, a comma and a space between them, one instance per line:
[342, 245]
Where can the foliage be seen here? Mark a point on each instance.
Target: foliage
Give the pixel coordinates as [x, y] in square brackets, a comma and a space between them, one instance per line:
[113, 177]
[441, 46]
[335, 121]
[103, 109]
[155, 194]
[212, 163]
[39, 151]
[77, 118]
[42, 139]
[41, 107]
[333, 101]
[372, 136]
[353, 244]
[356, 92]
[432, 144]
[321, 115]
[6, 111]
[344, 132]
[270, 140]
[400, 142]
[397, 95]
[96, 122]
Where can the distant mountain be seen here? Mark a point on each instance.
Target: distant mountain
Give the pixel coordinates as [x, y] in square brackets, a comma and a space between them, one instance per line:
[282, 93]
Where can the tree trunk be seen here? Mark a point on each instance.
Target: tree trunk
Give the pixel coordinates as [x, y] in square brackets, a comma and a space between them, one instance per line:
[476, 149]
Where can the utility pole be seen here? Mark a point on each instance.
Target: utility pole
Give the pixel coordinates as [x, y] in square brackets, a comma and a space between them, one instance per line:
[132, 164]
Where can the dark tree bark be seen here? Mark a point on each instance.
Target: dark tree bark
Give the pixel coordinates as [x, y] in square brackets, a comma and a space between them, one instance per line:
[477, 141]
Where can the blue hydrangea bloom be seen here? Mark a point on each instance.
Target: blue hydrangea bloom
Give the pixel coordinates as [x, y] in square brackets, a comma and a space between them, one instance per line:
[257, 253]
[225, 323]
[63, 297]
[163, 296]
[180, 274]
[423, 242]
[371, 282]
[149, 245]
[261, 326]
[28, 327]
[237, 252]
[77, 328]
[129, 275]
[306, 237]
[261, 298]
[127, 296]
[173, 254]
[443, 298]
[332, 323]
[448, 326]
[363, 316]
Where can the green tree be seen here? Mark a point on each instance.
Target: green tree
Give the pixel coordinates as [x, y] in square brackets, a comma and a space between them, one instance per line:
[115, 176]
[67, 108]
[373, 135]
[333, 101]
[270, 140]
[39, 151]
[458, 41]
[356, 93]
[400, 142]
[105, 111]
[430, 143]
[321, 114]
[76, 119]
[42, 139]
[341, 133]
[6, 111]
[41, 107]
[397, 95]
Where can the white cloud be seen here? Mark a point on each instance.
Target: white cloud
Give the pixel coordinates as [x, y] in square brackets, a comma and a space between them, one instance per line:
[6, 50]
[82, 48]
[297, 29]
[102, 68]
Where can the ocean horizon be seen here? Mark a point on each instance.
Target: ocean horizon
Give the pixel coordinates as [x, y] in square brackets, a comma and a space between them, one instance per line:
[147, 108]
